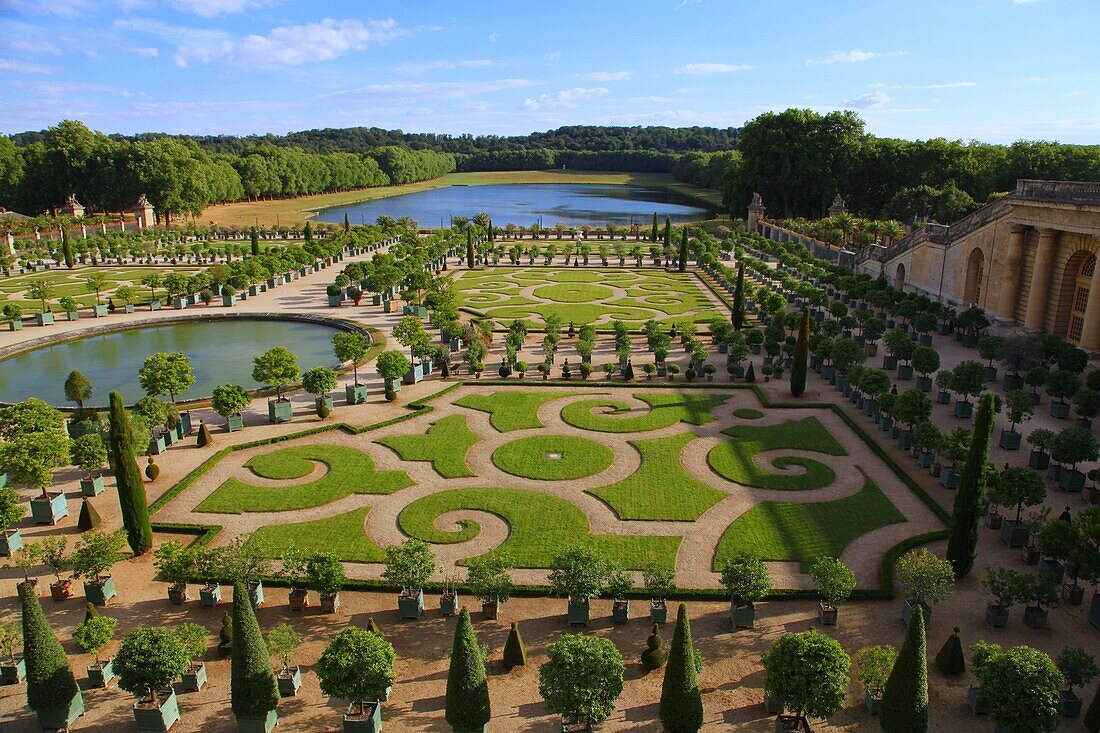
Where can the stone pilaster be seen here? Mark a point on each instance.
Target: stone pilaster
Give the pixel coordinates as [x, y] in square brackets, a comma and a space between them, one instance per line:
[1010, 279]
[1040, 279]
[1090, 336]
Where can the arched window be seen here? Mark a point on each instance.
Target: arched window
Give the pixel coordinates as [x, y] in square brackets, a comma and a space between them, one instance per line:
[975, 266]
[1080, 299]
[899, 278]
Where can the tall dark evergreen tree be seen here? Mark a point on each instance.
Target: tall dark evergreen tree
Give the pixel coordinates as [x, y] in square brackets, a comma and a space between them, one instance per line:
[739, 298]
[653, 232]
[347, 223]
[255, 237]
[67, 248]
[801, 356]
[683, 251]
[131, 489]
[1092, 715]
[469, 249]
[50, 681]
[904, 707]
[962, 544]
[681, 708]
[668, 232]
[253, 689]
[489, 231]
[308, 232]
[467, 690]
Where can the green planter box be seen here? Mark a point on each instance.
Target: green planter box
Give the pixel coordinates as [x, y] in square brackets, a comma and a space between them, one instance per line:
[261, 723]
[327, 401]
[49, 510]
[411, 606]
[154, 305]
[72, 316]
[44, 319]
[415, 310]
[101, 675]
[356, 394]
[62, 718]
[256, 593]
[235, 423]
[10, 541]
[3, 480]
[280, 411]
[369, 722]
[195, 679]
[743, 616]
[334, 301]
[907, 613]
[1014, 534]
[91, 486]
[16, 325]
[578, 611]
[449, 604]
[228, 301]
[658, 612]
[100, 592]
[872, 699]
[620, 612]
[157, 445]
[99, 311]
[290, 682]
[210, 595]
[13, 674]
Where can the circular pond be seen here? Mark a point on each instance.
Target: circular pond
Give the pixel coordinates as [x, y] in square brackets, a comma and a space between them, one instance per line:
[553, 457]
[220, 350]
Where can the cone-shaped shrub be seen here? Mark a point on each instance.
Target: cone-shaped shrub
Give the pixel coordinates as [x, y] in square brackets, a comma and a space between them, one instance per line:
[205, 438]
[225, 635]
[373, 627]
[515, 654]
[681, 703]
[469, 248]
[739, 298]
[682, 265]
[253, 687]
[750, 375]
[90, 611]
[962, 544]
[655, 656]
[50, 681]
[467, 690]
[904, 707]
[89, 517]
[951, 659]
[801, 355]
[131, 489]
[1092, 716]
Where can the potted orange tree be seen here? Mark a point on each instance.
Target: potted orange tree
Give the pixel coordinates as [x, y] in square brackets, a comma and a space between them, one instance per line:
[408, 566]
[148, 661]
[835, 582]
[357, 666]
[282, 642]
[808, 672]
[746, 578]
[489, 577]
[92, 636]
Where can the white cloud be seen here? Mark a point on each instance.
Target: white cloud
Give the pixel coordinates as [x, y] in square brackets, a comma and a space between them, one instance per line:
[492, 38]
[39, 47]
[946, 85]
[649, 100]
[1024, 2]
[282, 46]
[606, 75]
[851, 57]
[428, 90]
[22, 67]
[1076, 93]
[872, 100]
[551, 56]
[710, 68]
[688, 2]
[565, 98]
[1035, 78]
[143, 51]
[55, 89]
[61, 8]
[212, 8]
[420, 69]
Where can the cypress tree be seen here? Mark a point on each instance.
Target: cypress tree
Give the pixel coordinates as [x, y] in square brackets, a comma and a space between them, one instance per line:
[308, 232]
[1092, 715]
[490, 232]
[50, 681]
[653, 232]
[739, 298]
[467, 690]
[372, 627]
[904, 707]
[347, 224]
[469, 249]
[89, 517]
[681, 703]
[131, 489]
[683, 251]
[205, 438]
[256, 240]
[951, 659]
[225, 635]
[515, 654]
[801, 356]
[668, 232]
[253, 688]
[962, 544]
[67, 248]
[655, 655]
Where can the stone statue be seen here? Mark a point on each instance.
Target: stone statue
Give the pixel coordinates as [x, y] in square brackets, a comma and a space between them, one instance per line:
[757, 202]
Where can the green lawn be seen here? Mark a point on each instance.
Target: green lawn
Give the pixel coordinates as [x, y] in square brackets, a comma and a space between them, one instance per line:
[343, 535]
[660, 489]
[573, 292]
[733, 459]
[541, 526]
[780, 530]
[349, 472]
[553, 457]
[511, 409]
[747, 413]
[666, 408]
[445, 445]
[71, 283]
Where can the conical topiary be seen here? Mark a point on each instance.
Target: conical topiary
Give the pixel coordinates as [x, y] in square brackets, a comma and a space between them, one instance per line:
[628, 374]
[467, 690]
[801, 356]
[962, 543]
[225, 635]
[90, 611]
[655, 656]
[50, 681]
[131, 489]
[515, 654]
[1092, 715]
[681, 708]
[253, 688]
[89, 517]
[750, 375]
[904, 707]
[951, 660]
[373, 627]
[152, 470]
[205, 438]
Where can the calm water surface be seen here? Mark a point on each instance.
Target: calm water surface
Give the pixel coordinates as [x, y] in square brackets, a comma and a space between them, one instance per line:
[221, 352]
[525, 203]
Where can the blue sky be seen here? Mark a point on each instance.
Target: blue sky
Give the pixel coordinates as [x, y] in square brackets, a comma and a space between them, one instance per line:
[995, 70]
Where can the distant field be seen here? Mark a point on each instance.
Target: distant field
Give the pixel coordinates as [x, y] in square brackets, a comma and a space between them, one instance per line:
[297, 210]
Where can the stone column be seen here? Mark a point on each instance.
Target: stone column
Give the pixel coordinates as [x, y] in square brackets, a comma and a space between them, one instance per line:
[1040, 279]
[1010, 279]
[1090, 336]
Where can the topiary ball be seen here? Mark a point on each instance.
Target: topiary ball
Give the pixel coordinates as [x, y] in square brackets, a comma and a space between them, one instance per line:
[655, 655]
[323, 410]
[152, 470]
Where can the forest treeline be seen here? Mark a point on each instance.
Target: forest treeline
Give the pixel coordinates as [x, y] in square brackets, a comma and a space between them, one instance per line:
[796, 159]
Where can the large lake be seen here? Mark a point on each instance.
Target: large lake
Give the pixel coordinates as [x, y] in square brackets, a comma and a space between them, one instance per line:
[221, 352]
[526, 203]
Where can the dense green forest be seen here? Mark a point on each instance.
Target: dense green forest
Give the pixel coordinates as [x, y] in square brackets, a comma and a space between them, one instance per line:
[796, 159]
